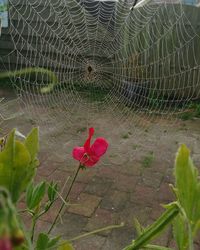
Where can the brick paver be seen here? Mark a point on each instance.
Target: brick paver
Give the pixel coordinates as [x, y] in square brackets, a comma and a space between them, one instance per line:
[85, 204]
[120, 187]
[110, 193]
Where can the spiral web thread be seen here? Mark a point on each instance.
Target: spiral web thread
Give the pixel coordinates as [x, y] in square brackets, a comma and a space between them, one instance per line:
[107, 56]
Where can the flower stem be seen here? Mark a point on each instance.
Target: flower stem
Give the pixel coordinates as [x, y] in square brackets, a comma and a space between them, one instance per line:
[66, 197]
[33, 228]
[96, 231]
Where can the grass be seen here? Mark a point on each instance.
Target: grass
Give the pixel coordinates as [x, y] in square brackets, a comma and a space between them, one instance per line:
[95, 93]
[91, 92]
[193, 110]
[125, 136]
[135, 146]
[156, 101]
[6, 84]
[186, 116]
[148, 160]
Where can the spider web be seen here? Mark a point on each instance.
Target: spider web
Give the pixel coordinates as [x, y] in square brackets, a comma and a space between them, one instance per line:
[94, 58]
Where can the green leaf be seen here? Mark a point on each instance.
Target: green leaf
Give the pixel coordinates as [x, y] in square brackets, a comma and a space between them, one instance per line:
[155, 247]
[65, 246]
[32, 142]
[180, 232]
[14, 163]
[53, 242]
[18, 163]
[196, 211]
[196, 228]
[42, 242]
[38, 193]
[187, 185]
[9, 147]
[52, 191]
[138, 227]
[29, 194]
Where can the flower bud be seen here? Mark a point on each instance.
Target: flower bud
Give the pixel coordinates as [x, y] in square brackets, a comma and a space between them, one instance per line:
[17, 237]
[5, 243]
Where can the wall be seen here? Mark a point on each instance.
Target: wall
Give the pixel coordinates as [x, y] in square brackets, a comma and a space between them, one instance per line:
[170, 63]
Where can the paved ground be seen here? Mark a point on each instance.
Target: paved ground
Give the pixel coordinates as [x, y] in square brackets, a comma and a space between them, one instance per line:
[117, 192]
[131, 181]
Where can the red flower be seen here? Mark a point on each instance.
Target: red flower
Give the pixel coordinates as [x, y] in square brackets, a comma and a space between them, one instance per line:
[89, 155]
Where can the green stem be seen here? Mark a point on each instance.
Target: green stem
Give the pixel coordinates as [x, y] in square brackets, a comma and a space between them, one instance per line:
[66, 198]
[32, 70]
[191, 246]
[190, 233]
[45, 211]
[96, 231]
[155, 247]
[154, 229]
[35, 219]
[33, 228]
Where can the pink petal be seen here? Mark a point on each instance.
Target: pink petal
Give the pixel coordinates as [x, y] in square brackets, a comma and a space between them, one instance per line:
[87, 142]
[91, 161]
[78, 153]
[91, 132]
[99, 147]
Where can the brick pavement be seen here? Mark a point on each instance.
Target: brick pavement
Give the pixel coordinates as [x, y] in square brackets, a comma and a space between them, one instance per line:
[105, 196]
[119, 188]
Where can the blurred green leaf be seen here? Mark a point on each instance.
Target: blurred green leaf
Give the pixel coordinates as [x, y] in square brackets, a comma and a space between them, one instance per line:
[52, 191]
[17, 167]
[187, 186]
[180, 232]
[42, 242]
[196, 229]
[14, 160]
[53, 242]
[35, 195]
[29, 193]
[32, 143]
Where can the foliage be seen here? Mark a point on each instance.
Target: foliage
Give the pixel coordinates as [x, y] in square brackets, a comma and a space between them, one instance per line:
[3, 7]
[18, 164]
[187, 190]
[192, 111]
[183, 214]
[155, 101]
[148, 160]
[98, 93]
[31, 72]
[44, 242]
